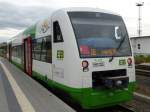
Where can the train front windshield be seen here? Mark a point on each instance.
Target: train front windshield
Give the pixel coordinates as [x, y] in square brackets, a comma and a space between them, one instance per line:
[100, 34]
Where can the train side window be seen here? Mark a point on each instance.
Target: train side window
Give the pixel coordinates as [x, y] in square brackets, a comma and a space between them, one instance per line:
[46, 54]
[49, 50]
[19, 51]
[33, 44]
[13, 51]
[42, 49]
[57, 32]
[36, 51]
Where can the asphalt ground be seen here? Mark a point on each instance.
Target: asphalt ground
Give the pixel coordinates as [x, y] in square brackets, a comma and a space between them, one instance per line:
[20, 93]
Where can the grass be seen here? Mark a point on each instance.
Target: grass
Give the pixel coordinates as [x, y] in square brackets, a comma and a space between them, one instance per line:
[142, 59]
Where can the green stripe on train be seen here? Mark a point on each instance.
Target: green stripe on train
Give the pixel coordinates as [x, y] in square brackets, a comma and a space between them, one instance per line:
[30, 31]
[89, 97]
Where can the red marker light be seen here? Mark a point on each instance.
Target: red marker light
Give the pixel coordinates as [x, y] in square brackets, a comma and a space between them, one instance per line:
[85, 64]
[129, 61]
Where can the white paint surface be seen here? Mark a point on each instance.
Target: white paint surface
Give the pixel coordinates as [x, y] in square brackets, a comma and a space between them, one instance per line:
[144, 43]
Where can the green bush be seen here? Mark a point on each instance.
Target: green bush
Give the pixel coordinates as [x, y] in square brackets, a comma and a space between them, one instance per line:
[142, 59]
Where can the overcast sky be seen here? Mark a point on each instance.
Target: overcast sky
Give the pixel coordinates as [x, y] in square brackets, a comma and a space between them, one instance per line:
[16, 15]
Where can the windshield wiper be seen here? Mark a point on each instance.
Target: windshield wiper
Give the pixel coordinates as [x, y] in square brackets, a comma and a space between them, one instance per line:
[119, 46]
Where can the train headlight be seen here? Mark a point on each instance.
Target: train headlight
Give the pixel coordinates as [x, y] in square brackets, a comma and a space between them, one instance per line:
[129, 61]
[118, 83]
[85, 64]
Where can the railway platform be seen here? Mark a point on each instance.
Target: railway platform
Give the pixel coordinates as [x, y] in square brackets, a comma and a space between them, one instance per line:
[20, 93]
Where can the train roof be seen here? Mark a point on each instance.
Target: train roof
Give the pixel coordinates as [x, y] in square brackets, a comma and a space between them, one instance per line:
[32, 29]
[86, 9]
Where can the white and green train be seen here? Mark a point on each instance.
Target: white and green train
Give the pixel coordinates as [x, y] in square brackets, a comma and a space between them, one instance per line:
[84, 52]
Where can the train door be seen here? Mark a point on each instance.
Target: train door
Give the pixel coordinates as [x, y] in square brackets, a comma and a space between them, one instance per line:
[58, 52]
[27, 56]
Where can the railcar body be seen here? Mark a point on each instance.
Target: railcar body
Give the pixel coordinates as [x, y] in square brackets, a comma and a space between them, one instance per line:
[84, 52]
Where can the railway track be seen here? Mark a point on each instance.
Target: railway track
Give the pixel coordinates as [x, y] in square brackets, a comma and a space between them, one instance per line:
[143, 70]
[140, 103]
[142, 98]
[143, 67]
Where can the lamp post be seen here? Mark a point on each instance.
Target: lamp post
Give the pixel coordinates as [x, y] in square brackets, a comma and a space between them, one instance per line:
[139, 5]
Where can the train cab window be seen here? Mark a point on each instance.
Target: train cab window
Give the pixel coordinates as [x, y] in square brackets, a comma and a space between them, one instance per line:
[100, 34]
[57, 32]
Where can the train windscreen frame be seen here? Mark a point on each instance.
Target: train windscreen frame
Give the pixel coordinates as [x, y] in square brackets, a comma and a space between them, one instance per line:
[99, 34]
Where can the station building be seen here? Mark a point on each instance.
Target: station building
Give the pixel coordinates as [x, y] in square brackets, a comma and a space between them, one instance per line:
[141, 45]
